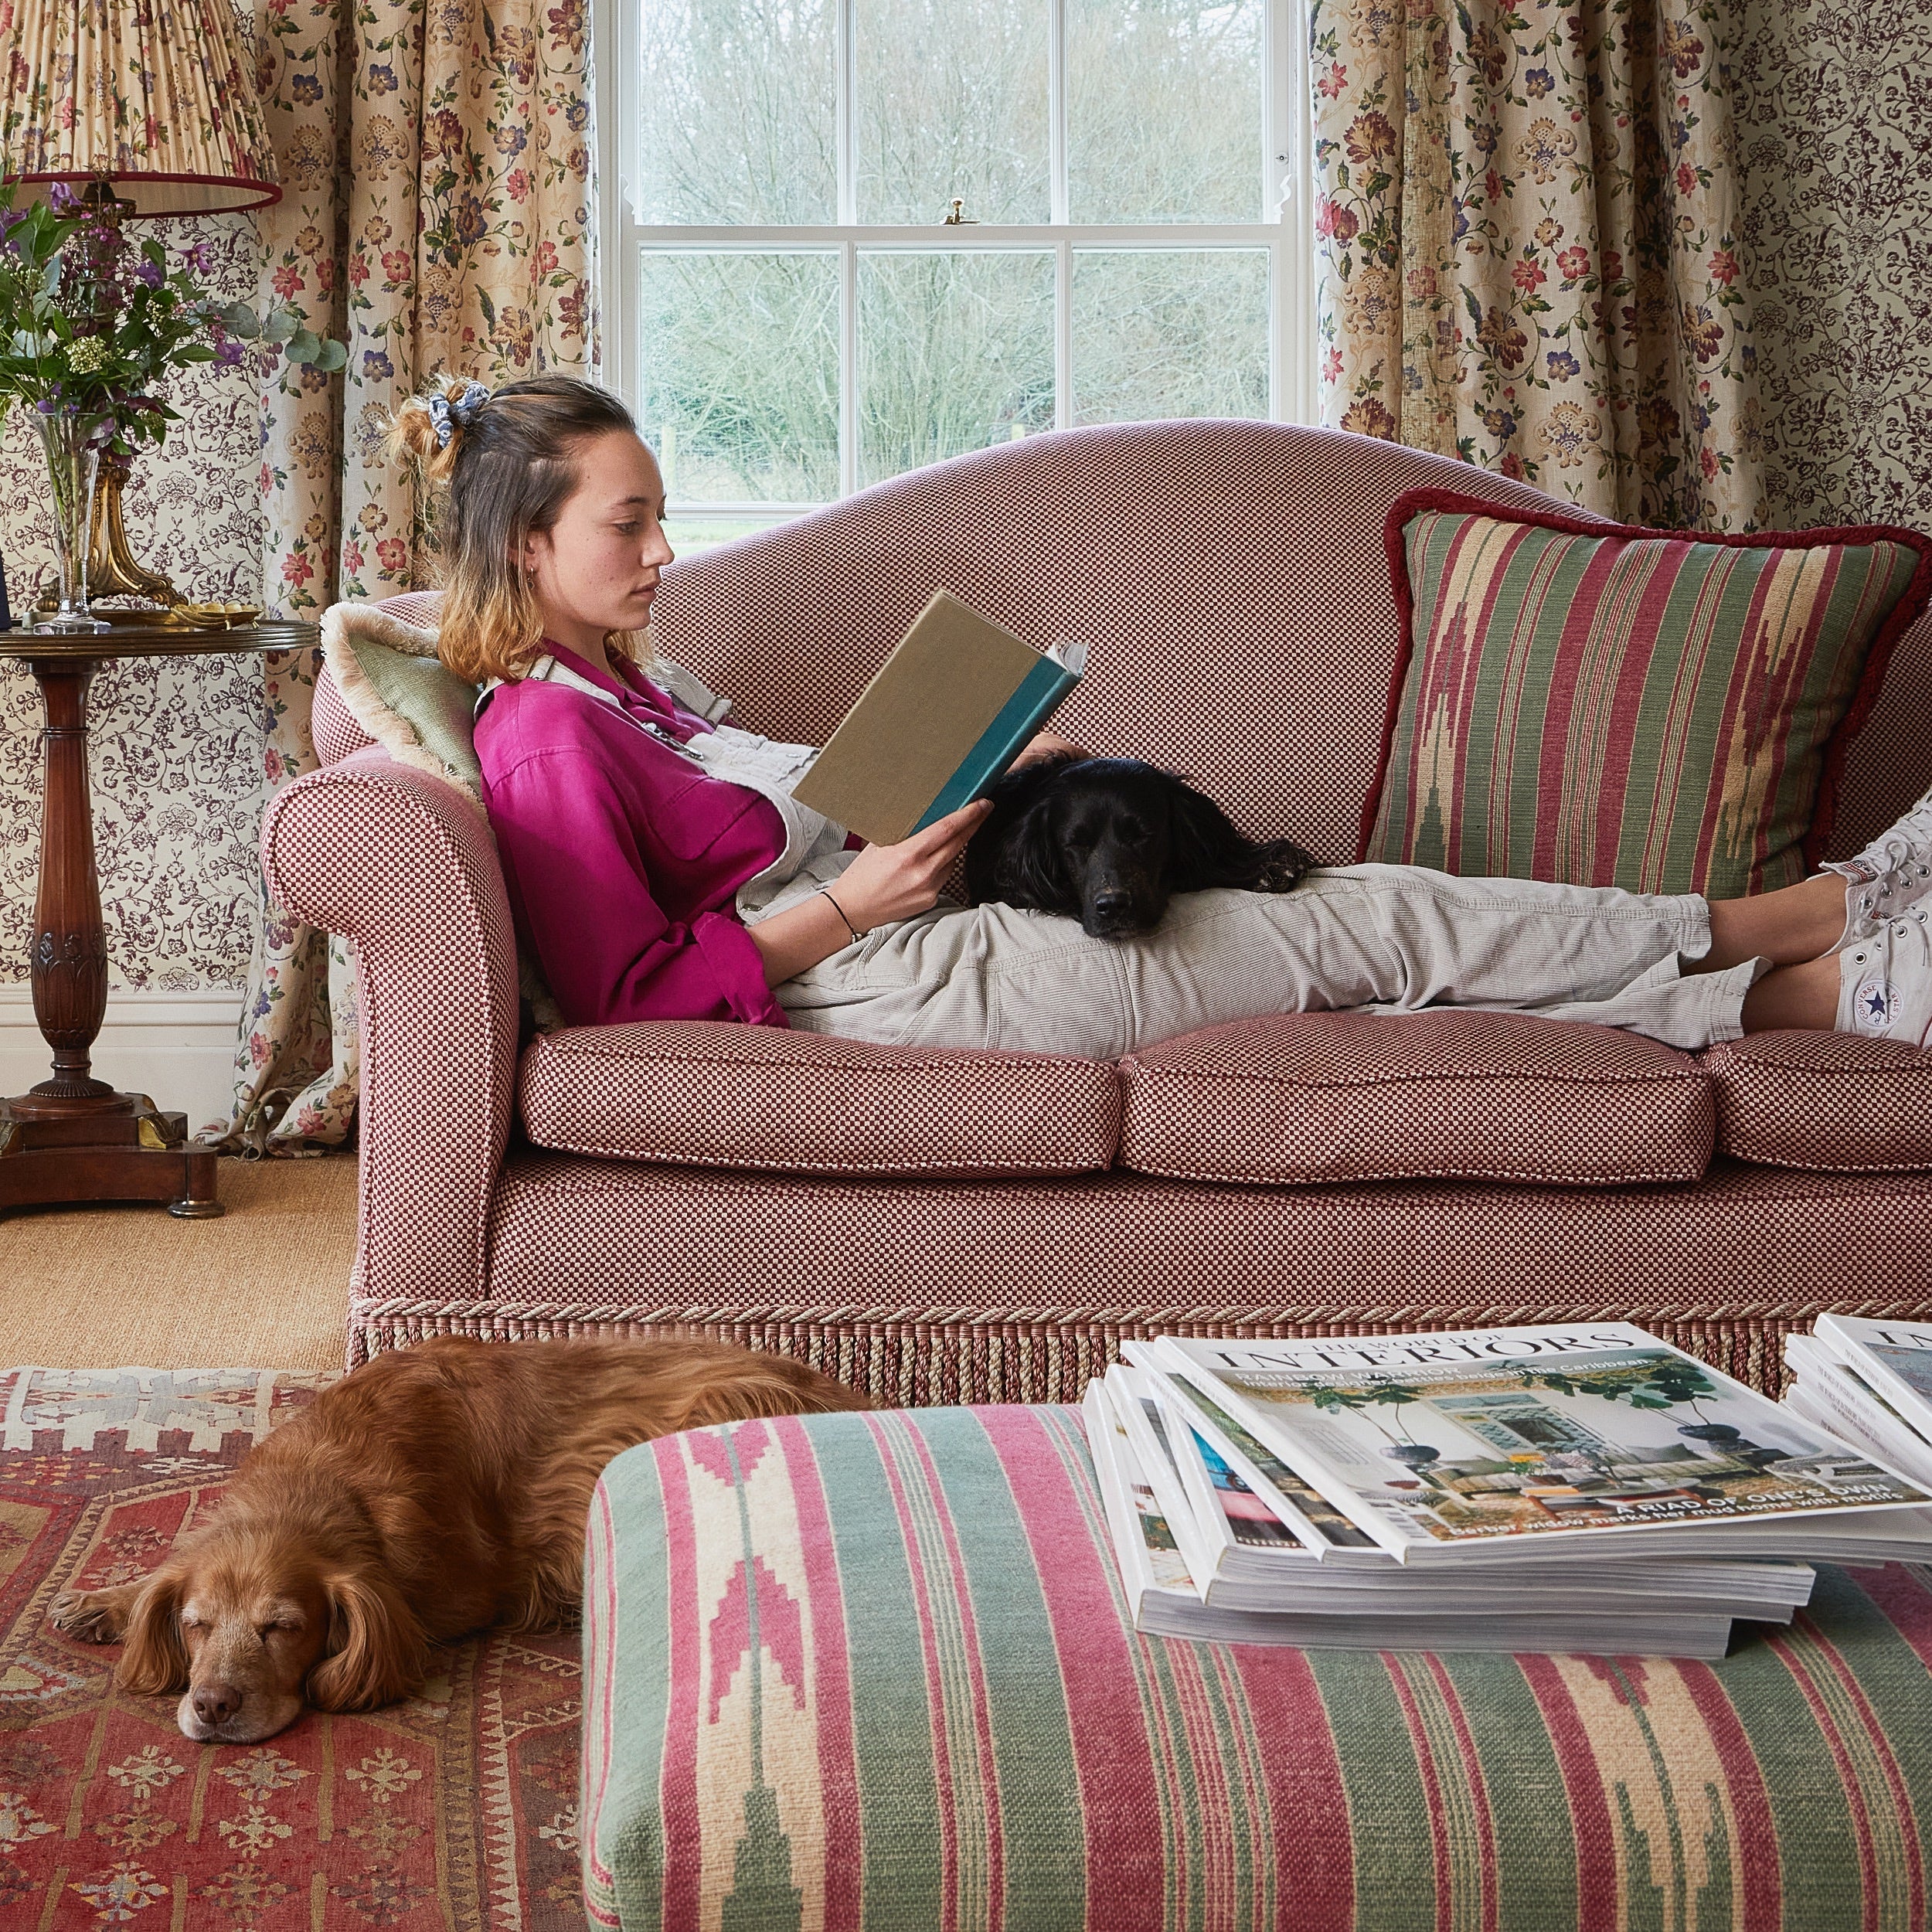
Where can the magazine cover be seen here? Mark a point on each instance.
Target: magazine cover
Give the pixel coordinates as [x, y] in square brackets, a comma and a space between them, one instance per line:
[1436, 1441]
[1895, 1357]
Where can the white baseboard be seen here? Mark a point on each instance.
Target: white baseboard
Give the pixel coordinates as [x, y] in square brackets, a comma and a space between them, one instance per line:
[178, 1047]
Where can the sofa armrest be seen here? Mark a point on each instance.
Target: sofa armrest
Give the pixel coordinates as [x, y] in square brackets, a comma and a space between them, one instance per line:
[402, 865]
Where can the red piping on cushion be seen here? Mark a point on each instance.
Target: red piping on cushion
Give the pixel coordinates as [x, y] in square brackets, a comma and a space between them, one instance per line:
[1906, 613]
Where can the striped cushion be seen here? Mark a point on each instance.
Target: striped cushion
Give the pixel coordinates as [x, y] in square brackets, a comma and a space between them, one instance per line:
[722, 1093]
[874, 1671]
[1440, 1095]
[1830, 1103]
[1634, 708]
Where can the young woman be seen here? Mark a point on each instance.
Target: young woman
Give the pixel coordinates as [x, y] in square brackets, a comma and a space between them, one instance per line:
[658, 868]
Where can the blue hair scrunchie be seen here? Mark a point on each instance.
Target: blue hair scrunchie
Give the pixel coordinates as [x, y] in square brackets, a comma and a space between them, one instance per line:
[449, 417]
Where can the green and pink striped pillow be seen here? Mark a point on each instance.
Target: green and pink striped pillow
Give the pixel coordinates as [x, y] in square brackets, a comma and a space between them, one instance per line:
[1605, 705]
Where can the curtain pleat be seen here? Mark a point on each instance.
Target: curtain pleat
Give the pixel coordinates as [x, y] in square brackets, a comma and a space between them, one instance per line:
[1528, 249]
[437, 214]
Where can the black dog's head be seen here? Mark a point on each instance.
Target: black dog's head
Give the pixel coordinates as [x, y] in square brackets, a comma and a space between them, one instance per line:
[1108, 841]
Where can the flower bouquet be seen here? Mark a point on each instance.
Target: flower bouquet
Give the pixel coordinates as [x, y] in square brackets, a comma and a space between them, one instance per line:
[90, 323]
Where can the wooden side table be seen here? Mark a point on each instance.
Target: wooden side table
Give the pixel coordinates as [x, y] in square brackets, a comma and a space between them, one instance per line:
[73, 1139]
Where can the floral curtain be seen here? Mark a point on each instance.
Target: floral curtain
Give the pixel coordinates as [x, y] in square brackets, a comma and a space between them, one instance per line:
[1527, 235]
[437, 214]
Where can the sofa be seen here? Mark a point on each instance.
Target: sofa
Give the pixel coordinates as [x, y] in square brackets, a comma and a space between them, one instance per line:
[947, 1227]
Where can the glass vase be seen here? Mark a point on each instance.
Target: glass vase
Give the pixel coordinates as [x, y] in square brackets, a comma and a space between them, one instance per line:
[73, 442]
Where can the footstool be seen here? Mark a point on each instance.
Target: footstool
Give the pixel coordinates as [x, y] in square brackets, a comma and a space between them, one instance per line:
[874, 1671]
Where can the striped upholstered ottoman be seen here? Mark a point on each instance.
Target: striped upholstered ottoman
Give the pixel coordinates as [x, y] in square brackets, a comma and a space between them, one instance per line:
[872, 1671]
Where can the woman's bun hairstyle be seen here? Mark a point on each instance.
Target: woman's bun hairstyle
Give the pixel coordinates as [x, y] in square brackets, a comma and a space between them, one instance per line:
[500, 465]
[429, 428]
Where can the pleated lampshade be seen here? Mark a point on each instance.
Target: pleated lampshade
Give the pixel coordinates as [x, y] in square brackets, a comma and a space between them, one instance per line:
[157, 99]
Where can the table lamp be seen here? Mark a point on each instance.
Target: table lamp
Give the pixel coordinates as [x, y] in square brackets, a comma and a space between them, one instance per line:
[142, 111]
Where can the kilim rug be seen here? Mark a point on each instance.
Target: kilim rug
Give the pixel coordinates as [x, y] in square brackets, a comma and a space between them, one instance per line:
[456, 1810]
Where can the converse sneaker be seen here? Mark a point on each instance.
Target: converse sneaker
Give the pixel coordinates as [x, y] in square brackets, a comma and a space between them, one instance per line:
[1884, 981]
[1892, 872]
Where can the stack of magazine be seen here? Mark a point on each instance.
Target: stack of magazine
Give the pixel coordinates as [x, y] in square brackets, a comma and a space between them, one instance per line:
[1569, 1489]
[1869, 1384]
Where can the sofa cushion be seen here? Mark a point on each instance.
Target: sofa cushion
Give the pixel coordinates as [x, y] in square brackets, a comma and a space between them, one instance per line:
[1829, 1102]
[1442, 1094]
[1629, 707]
[722, 1094]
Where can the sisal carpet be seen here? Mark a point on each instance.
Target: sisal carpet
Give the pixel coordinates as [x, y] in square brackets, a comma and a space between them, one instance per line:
[266, 1285]
[456, 1810]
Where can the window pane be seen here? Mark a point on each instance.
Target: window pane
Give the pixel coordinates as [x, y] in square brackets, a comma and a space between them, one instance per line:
[952, 100]
[1169, 333]
[1163, 111]
[955, 351]
[738, 121]
[738, 362]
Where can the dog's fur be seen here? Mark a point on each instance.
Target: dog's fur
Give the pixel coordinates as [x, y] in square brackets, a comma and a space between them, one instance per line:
[1108, 841]
[439, 1489]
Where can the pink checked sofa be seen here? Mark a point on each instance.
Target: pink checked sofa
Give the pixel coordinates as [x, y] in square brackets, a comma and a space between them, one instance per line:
[943, 1227]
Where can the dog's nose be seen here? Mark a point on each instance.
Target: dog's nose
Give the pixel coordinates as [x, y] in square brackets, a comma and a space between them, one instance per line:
[1113, 899]
[213, 1702]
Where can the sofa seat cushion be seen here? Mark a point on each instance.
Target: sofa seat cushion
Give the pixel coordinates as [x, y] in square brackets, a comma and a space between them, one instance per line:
[722, 1093]
[1443, 1094]
[871, 1673]
[1828, 1103]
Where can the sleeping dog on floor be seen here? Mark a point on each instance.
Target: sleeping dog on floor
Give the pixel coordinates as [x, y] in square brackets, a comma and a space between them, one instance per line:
[1108, 841]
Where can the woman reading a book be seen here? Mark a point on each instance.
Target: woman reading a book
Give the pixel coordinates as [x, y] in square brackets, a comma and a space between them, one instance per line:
[658, 868]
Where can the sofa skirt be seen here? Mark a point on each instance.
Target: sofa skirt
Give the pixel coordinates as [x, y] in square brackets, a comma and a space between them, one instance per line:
[926, 1293]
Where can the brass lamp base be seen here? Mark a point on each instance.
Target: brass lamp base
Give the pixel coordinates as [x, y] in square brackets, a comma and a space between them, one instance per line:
[111, 569]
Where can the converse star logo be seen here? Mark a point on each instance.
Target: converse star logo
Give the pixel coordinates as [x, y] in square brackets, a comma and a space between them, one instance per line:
[1875, 1003]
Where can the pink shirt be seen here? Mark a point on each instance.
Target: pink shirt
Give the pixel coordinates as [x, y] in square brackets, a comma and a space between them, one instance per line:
[623, 857]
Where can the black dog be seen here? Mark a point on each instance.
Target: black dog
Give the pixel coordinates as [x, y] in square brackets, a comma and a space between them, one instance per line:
[1108, 841]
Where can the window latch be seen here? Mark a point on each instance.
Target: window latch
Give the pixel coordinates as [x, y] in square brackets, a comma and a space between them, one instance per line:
[957, 217]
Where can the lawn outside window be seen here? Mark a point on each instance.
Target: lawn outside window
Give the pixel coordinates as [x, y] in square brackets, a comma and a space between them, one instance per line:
[842, 238]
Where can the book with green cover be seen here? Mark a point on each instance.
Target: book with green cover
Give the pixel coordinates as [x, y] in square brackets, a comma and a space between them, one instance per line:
[952, 708]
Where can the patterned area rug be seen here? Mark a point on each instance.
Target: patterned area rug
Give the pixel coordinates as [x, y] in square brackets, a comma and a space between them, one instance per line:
[456, 1810]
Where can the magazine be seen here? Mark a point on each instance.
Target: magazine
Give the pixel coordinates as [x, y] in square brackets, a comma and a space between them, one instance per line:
[1836, 1397]
[1894, 1358]
[1497, 1443]
[1161, 1596]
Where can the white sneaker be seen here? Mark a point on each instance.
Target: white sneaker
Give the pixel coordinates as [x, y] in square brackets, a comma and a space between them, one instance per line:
[1884, 981]
[1891, 874]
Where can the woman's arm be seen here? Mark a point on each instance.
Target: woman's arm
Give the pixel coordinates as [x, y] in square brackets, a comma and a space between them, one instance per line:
[883, 883]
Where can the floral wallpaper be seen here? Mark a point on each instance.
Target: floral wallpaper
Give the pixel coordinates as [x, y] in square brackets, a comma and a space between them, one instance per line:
[176, 744]
[1833, 103]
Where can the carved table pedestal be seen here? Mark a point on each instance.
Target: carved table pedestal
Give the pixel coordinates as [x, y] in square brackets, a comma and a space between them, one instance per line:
[73, 1139]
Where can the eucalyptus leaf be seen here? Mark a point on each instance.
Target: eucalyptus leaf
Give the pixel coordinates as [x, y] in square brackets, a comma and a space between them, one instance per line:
[304, 346]
[279, 326]
[333, 355]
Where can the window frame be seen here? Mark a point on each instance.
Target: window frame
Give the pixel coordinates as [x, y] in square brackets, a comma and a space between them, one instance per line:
[1287, 161]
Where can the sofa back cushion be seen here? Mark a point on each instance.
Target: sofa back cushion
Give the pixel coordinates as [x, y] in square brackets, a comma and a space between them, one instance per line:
[1229, 580]
[1629, 707]
[719, 1093]
[1449, 1094]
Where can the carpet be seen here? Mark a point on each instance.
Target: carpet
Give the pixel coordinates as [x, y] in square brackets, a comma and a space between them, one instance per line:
[268, 1284]
[455, 1810]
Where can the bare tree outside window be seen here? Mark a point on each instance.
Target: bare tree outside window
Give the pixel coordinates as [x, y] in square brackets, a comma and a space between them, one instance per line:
[862, 235]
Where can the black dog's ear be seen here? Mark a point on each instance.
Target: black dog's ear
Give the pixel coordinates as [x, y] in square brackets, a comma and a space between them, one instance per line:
[1205, 849]
[1029, 865]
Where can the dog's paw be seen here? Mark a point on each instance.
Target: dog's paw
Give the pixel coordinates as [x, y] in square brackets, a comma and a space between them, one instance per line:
[92, 1616]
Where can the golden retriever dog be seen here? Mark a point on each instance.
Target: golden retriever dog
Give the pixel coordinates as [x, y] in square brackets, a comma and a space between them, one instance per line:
[438, 1490]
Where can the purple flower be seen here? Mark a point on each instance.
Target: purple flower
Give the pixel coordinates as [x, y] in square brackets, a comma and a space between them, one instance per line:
[149, 275]
[229, 349]
[62, 198]
[199, 259]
